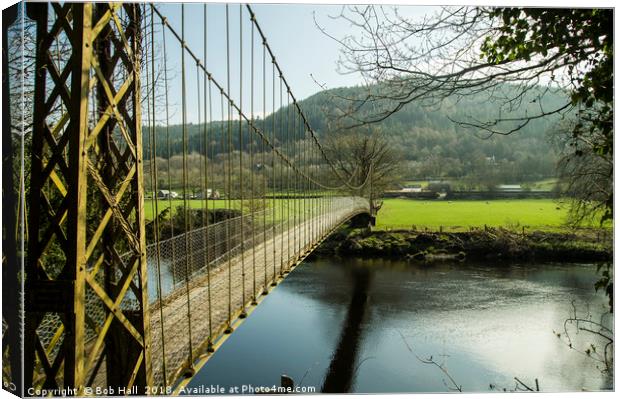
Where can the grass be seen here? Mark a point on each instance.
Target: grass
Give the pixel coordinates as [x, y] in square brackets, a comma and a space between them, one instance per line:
[280, 204]
[539, 214]
[534, 214]
[149, 205]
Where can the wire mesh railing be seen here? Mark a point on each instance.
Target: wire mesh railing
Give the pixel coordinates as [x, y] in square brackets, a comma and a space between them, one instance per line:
[260, 260]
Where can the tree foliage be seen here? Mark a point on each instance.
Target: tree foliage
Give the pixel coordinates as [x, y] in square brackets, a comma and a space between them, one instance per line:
[582, 39]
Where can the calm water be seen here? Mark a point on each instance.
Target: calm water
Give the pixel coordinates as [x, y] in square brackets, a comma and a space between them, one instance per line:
[486, 325]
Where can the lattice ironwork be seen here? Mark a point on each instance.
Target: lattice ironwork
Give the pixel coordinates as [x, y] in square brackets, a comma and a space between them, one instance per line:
[86, 305]
[11, 309]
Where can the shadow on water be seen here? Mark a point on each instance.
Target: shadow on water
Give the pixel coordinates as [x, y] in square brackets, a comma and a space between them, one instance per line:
[341, 369]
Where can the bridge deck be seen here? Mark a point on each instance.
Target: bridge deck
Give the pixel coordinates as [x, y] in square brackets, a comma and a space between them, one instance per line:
[248, 272]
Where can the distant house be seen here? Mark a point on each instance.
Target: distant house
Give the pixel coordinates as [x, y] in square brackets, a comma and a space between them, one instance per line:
[211, 194]
[412, 188]
[167, 194]
[512, 188]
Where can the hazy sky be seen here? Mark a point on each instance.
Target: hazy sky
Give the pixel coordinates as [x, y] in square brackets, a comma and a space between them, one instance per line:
[300, 49]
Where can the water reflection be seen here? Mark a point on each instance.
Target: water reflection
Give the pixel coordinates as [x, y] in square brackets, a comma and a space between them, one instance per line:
[341, 324]
[342, 367]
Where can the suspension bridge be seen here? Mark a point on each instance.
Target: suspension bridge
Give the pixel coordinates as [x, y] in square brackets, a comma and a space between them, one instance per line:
[160, 200]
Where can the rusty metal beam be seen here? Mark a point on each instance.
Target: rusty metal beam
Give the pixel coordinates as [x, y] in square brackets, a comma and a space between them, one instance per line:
[99, 216]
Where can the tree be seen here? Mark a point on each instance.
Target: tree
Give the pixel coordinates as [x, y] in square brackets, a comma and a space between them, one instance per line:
[366, 159]
[587, 176]
[583, 39]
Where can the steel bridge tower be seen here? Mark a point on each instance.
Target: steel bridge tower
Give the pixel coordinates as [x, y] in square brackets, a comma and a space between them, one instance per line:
[86, 252]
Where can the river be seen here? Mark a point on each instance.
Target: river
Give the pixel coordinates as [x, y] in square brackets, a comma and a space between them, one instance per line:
[368, 326]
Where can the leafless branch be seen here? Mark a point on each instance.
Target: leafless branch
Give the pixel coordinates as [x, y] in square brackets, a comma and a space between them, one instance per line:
[455, 386]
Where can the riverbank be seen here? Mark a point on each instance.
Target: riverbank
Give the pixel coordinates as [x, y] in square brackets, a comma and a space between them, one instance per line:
[478, 244]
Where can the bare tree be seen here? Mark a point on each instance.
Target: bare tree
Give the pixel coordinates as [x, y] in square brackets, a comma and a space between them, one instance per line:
[366, 158]
[589, 182]
[598, 341]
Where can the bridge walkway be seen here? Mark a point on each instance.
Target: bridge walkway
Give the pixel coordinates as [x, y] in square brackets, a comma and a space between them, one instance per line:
[246, 277]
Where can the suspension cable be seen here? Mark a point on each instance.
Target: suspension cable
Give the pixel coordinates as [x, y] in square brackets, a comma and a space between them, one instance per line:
[290, 200]
[228, 175]
[241, 188]
[251, 149]
[185, 194]
[264, 169]
[153, 163]
[273, 167]
[168, 152]
[206, 181]
[281, 199]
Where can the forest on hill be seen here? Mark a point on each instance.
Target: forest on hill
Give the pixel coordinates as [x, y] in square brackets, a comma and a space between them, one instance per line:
[432, 143]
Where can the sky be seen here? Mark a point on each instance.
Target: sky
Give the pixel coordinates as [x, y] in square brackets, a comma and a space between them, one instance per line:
[305, 54]
[303, 49]
[307, 57]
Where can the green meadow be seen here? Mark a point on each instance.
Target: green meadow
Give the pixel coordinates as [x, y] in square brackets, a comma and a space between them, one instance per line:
[535, 214]
[149, 205]
[283, 207]
[539, 214]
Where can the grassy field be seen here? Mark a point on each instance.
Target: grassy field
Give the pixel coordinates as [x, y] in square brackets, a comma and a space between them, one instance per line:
[149, 205]
[283, 206]
[538, 214]
[544, 214]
